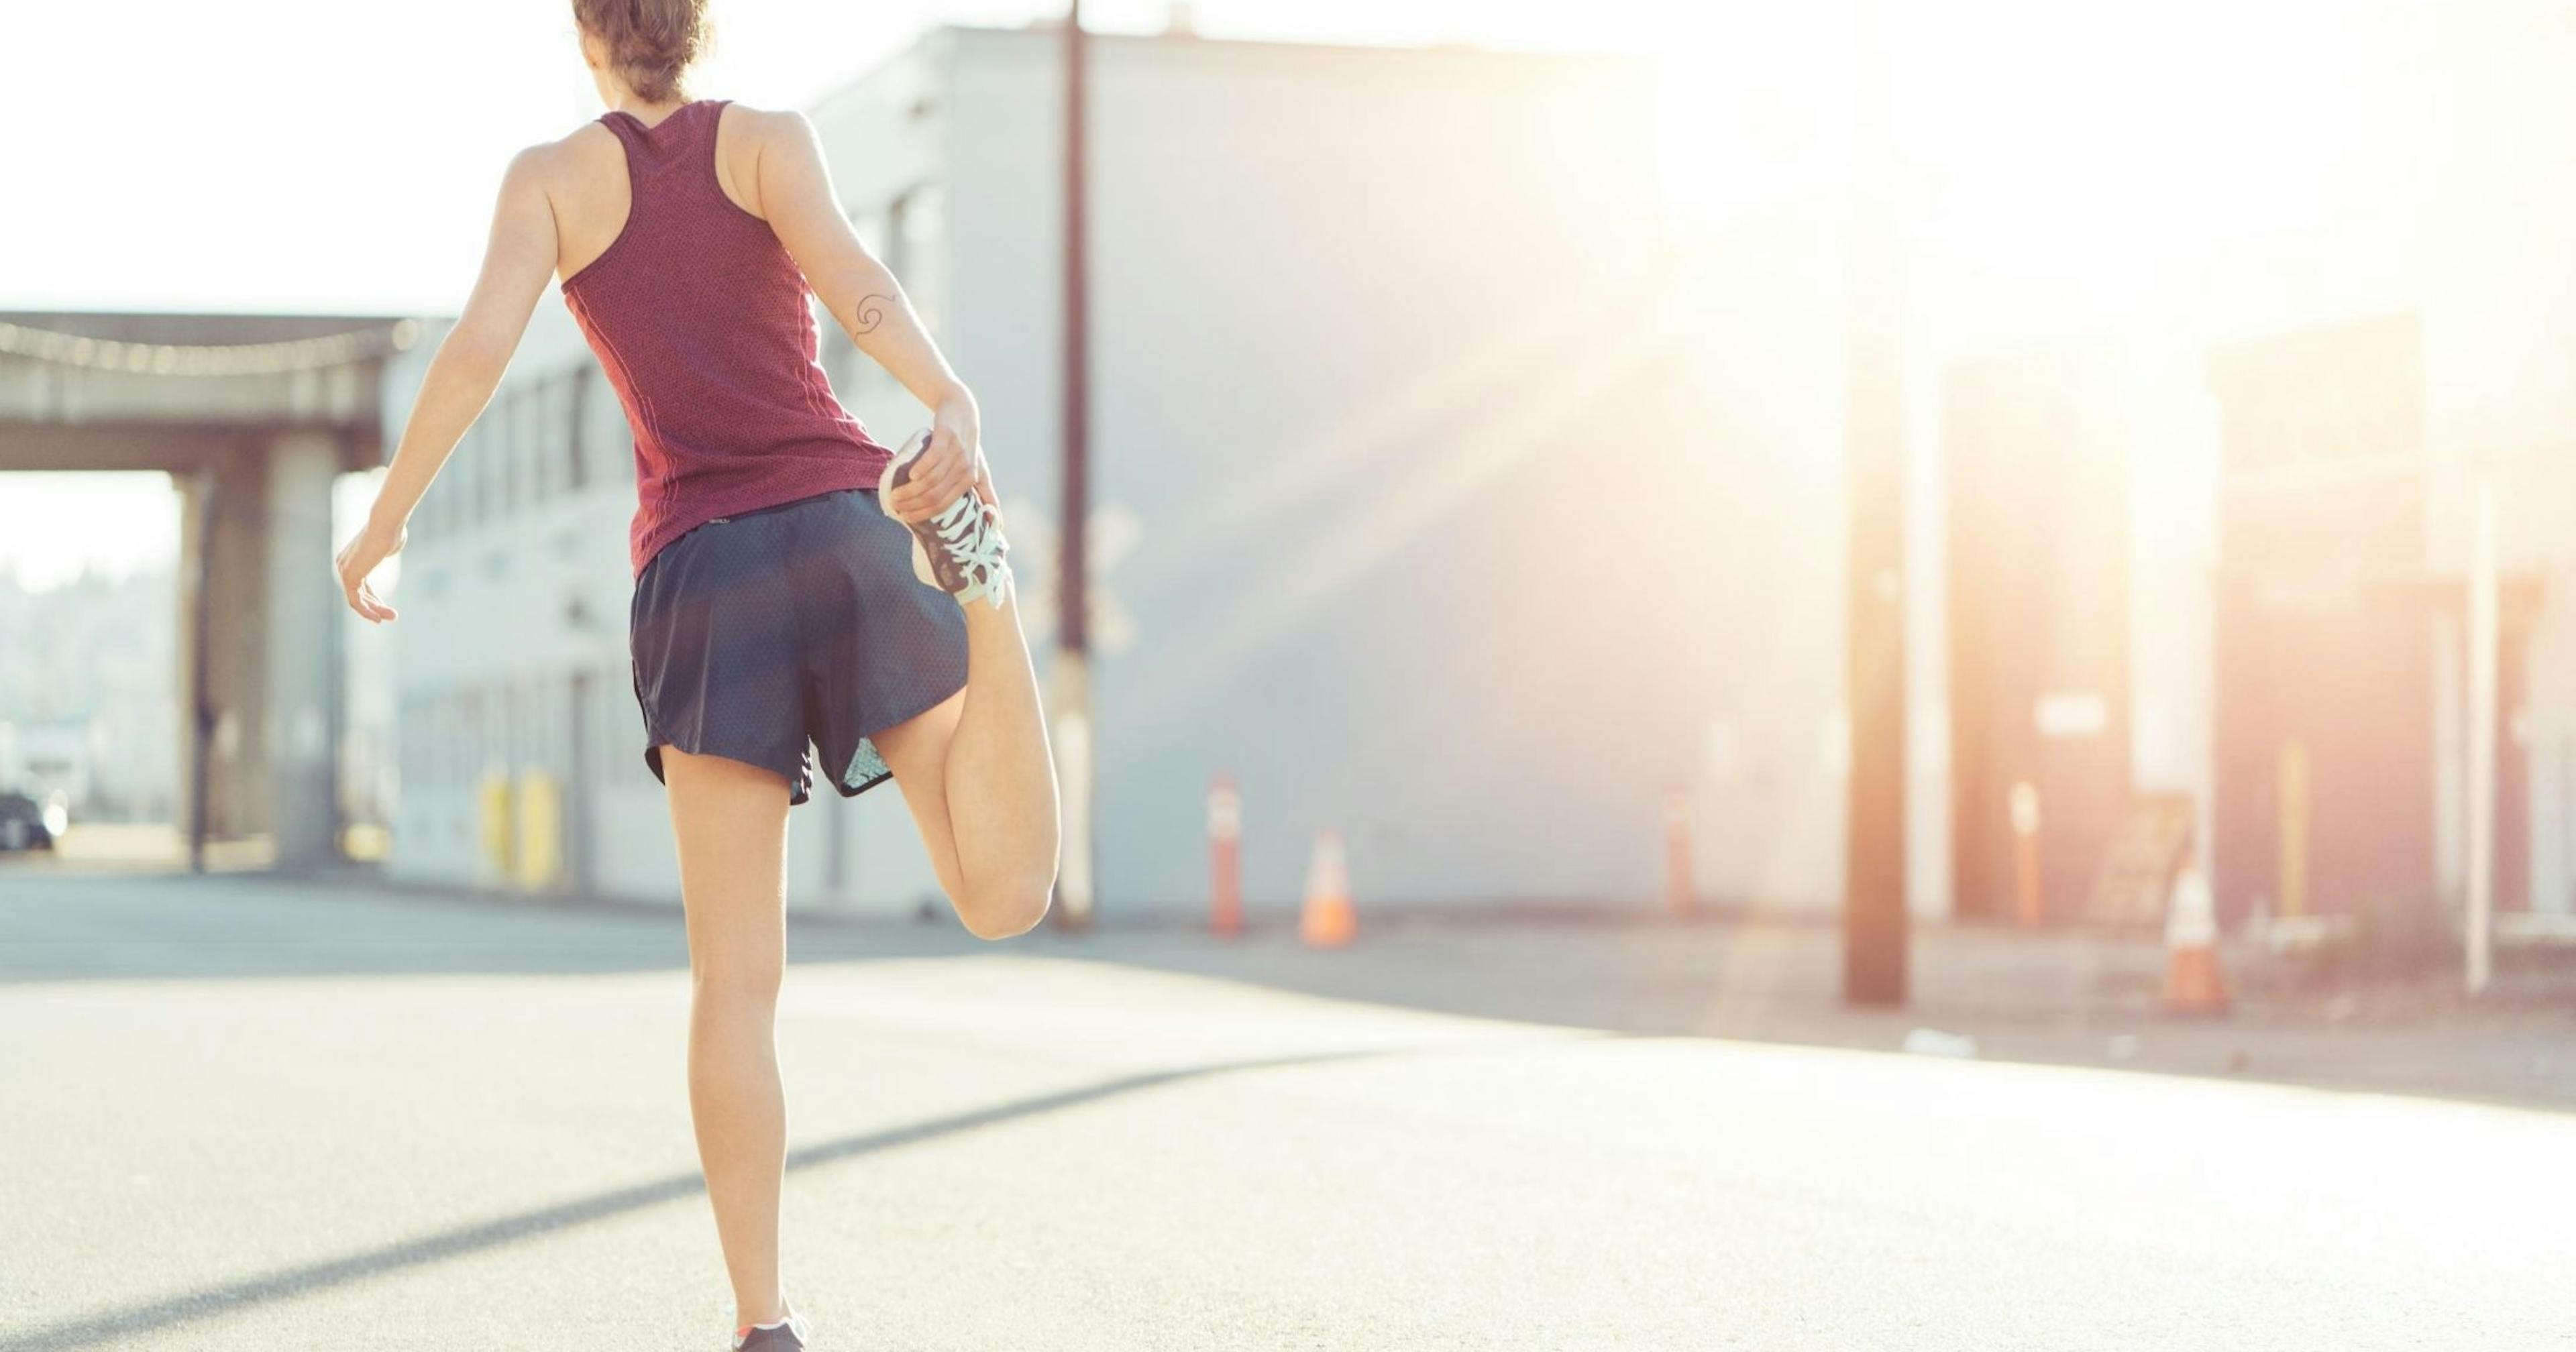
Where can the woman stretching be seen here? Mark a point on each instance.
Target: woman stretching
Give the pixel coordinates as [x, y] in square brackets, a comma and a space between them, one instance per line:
[803, 596]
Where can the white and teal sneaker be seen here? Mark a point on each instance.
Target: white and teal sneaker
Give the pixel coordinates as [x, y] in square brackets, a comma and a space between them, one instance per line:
[787, 1335]
[958, 549]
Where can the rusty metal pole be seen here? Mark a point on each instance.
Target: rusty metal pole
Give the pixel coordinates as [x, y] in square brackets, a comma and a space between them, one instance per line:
[1874, 918]
[1075, 900]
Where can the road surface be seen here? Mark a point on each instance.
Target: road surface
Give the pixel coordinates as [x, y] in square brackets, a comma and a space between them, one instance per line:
[241, 1114]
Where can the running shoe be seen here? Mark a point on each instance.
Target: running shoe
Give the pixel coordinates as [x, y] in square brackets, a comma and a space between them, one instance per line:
[786, 1337]
[958, 549]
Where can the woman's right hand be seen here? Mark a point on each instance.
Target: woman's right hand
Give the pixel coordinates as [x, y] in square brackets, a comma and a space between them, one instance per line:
[952, 464]
[373, 544]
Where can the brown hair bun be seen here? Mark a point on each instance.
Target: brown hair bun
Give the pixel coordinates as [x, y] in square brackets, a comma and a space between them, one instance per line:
[650, 42]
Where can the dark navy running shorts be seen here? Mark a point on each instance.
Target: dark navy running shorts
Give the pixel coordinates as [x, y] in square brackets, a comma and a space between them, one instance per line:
[781, 634]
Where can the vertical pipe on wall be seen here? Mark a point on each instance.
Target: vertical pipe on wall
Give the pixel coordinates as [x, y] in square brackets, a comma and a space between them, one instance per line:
[2482, 731]
[1874, 915]
[1074, 886]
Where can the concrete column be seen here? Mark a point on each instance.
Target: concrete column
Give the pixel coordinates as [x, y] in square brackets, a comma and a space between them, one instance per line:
[303, 649]
[196, 490]
[226, 520]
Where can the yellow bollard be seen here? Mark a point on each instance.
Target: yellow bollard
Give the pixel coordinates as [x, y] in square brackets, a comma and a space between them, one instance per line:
[2294, 828]
[492, 798]
[2028, 905]
[539, 854]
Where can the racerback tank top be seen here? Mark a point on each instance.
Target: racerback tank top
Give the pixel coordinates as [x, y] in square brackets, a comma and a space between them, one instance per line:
[701, 320]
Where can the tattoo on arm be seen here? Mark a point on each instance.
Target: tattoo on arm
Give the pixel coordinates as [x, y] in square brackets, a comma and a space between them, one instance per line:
[871, 312]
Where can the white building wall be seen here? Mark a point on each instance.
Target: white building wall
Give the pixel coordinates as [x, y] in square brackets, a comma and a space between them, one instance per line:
[1766, 409]
[1383, 358]
[1459, 518]
[1387, 390]
[2444, 222]
[2494, 267]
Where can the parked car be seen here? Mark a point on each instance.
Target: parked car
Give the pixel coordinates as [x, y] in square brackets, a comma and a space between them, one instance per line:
[24, 824]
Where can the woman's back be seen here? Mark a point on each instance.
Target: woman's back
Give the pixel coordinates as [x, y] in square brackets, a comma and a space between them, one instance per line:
[701, 319]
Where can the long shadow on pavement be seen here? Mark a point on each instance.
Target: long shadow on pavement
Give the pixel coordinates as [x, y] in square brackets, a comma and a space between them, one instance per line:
[101, 1326]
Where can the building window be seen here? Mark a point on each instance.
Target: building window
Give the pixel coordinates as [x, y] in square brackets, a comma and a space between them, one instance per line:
[475, 449]
[916, 235]
[625, 723]
[459, 749]
[531, 458]
[475, 755]
[608, 448]
[496, 457]
[492, 445]
[575, 427]
[536, 458]
[556, 433]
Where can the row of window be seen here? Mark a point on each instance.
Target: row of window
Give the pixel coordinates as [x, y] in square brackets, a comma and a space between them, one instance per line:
[539, 439]
[582, 725]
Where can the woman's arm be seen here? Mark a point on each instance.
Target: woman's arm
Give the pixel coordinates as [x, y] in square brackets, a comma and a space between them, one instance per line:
[517, 261]
[794, 187]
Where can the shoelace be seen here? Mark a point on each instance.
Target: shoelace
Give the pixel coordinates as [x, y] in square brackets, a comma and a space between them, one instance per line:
[978, 551]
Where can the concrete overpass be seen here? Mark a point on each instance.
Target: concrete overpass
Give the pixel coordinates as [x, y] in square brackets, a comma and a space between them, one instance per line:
[253, 416]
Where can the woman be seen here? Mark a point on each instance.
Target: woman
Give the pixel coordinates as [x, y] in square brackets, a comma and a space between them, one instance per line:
[789, 568]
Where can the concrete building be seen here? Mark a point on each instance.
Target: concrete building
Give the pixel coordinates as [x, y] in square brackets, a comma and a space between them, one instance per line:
[254, 417]
[1394, 509]
[2202, 552]
[2232, 530]
[1443, 502]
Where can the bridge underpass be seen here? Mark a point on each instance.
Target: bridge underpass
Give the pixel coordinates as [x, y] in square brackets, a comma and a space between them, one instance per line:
[254, 417]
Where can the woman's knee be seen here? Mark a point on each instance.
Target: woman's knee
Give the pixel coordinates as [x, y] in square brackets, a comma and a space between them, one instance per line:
[737, 978]
[1000, 909]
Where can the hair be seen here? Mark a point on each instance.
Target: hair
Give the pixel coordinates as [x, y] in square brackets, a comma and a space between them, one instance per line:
[650, 42]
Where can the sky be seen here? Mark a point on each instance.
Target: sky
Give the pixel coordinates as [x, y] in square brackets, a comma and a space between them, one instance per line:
[321, 156]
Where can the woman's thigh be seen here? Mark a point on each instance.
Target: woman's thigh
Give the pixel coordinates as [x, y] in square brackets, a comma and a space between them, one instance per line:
[916, 750]
[729, 819]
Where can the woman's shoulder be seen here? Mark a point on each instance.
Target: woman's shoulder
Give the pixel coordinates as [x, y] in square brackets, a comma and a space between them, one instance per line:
[762, 123]
[579, 155]
[583, 146]
[763, 143]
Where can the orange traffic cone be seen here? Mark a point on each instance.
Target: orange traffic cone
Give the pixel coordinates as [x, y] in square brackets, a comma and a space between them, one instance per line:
[1225, 858]
[2193, 983]
[1328, 920]
[1680, 896]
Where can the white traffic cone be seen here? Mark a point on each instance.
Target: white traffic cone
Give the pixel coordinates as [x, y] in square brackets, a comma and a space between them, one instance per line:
[2193, 982]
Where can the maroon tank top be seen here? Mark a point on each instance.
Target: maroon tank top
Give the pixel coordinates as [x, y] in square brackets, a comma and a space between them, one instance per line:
[700, 318]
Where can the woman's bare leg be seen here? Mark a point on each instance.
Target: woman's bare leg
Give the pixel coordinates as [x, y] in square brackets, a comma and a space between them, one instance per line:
[980, 781]
[731, 823]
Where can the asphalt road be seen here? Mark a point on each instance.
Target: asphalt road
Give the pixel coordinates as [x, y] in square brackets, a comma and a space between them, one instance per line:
[236, 1114]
